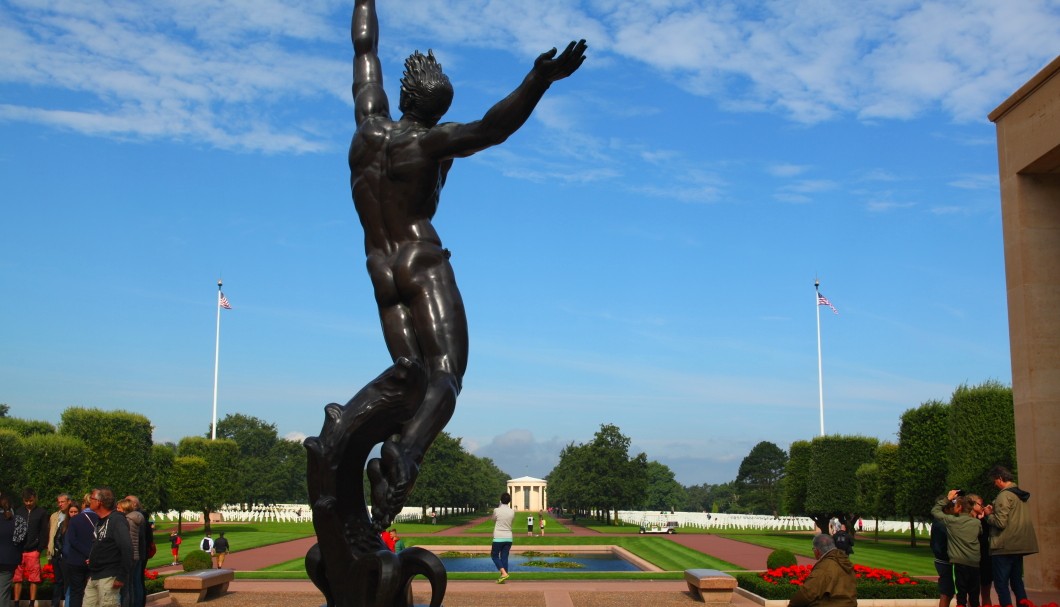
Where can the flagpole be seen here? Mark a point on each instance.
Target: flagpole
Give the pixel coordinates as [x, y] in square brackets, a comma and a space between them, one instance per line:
[820, 375]
[217, 357]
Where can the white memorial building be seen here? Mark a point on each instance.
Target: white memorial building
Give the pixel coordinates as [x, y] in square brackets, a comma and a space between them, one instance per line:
[529, 493]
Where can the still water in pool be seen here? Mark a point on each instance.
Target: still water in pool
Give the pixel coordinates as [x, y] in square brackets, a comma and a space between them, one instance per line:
[516, 562]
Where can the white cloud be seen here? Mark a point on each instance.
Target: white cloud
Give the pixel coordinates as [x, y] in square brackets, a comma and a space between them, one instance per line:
[212, 71]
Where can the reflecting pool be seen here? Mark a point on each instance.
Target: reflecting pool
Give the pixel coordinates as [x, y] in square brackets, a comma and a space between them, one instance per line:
[517, 563]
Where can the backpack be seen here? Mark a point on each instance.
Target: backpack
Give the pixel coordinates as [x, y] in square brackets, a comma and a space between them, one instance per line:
[205, 545]
[21, 527]
[842, 541]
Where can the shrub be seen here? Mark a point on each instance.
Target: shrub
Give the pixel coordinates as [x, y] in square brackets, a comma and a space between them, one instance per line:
[781, 558]
[197, 559]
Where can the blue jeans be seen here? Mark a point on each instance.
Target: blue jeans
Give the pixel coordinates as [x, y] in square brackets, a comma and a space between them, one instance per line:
[1008, 571]
[499, 554]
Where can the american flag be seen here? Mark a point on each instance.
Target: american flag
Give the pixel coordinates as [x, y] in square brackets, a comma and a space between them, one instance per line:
[228, 306]
[821, 301]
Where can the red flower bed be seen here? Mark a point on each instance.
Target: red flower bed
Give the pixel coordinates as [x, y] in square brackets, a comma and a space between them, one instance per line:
[795, 575]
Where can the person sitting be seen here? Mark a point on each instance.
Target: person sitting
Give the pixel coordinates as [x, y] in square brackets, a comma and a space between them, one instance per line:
[832, 582]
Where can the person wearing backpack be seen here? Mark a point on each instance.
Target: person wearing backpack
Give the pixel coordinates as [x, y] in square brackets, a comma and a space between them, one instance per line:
[843, 541]
[220, 549]
[206, 545]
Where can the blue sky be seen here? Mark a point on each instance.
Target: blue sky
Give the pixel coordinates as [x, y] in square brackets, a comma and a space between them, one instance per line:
[642, 252]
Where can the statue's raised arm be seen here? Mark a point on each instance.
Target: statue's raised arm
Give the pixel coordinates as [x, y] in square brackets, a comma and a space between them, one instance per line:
[368, 94]
[454, 140]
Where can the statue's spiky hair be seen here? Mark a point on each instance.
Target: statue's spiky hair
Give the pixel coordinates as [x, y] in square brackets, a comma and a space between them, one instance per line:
[425, 90]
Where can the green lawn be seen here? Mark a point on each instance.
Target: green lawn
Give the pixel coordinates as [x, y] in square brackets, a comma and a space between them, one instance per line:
[241, 536]
[897, 556]
[893, 553]
[671, 557]
[519, 525]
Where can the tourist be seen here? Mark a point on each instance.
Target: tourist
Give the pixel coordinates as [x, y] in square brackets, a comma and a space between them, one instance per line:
[220, 549]
[55, 547]
[110, 560]
[962, 532]
[1011, 535]
[842, 540]
[940, 549]
[986, 569]
[541, 523]
[77, 544]
[36, 541]
[831, 583]
[10, 552]
[174, 546]
[503, 515]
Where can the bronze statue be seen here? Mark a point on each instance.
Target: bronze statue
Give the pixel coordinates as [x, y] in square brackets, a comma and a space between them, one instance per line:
[397, 171]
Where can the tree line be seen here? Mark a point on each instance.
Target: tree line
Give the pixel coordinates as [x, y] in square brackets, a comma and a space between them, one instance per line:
[248, 463]
[940, 445]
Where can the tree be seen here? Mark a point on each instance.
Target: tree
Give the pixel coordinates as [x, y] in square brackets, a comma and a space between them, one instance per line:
[26, 427]
[697, 498]
[438, 482]
[876, 482]
[290, 460]
[564, 480]
[831, 489]
[923, 440]
[189, 486]
[760, 476]
[120, 450]
[12, 477]
[4, 409]
[982, 434]
[599, 474]
[221, 457]
[663, 491]
[260, 479]
[162, 457]
[796, 476]
[54, 464]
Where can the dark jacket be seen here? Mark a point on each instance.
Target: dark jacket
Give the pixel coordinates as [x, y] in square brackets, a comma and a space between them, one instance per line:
[77, 543]
[830, 584]
[843, 541]
[37, 532]
[10, 552]
[1011, 530]
[940, 542]
[111, 554]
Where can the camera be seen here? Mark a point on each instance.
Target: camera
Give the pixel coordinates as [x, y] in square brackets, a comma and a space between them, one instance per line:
[960, 493]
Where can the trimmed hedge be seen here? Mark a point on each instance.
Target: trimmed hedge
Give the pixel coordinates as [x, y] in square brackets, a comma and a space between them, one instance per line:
[781, 558]
[196, 560]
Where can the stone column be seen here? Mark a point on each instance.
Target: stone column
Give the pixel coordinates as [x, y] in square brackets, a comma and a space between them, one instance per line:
[1028, 138]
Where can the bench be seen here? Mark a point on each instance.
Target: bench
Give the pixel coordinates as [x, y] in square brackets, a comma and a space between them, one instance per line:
[711, 585]
[195, 586]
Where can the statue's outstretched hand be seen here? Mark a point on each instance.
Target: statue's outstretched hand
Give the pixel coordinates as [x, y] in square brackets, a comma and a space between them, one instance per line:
[555, 68]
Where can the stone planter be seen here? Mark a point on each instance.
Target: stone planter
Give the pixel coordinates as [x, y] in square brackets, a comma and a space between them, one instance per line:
[747, 594]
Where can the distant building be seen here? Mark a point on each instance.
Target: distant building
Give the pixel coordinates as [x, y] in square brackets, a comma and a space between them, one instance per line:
[529, 493]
